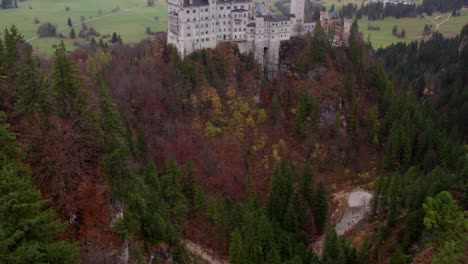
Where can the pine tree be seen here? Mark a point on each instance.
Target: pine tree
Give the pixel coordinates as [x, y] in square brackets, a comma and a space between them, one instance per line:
[189, 182]
[337, 125]
[27, 229]
[2, 55]
[294, 216]
[69, 98]
[114, 38]
[273, 257]
[302, 112]
[109, 116]
[373, 125]
[319, 47]
[320, 208]
[392, 200]
[69, 22]
[12, 38]
[93, 43]
[72, 33]
[280, 191]
[32, 93]
[331, 249]
[236, 249]
[306, 184]
[276, 106]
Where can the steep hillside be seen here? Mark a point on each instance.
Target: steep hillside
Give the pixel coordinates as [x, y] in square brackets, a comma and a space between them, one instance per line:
[138, 149]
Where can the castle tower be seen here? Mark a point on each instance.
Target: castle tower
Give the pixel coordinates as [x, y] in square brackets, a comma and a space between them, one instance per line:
[297, 8]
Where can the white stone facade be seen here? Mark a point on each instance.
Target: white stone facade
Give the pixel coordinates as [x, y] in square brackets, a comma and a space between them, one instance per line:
[198, 24]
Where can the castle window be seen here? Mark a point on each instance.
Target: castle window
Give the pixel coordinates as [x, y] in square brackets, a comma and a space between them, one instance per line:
[235, 7]
[242, 6]
[194, 11]
[221, 8]
[189, 35]
[188, 11]
[228, 7]
[206, 9]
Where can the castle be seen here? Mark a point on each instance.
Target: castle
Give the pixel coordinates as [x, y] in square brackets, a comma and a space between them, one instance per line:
[198, 24]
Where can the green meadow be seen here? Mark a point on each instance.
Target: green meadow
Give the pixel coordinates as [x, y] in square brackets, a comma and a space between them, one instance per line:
[413, 27]
[130, 22]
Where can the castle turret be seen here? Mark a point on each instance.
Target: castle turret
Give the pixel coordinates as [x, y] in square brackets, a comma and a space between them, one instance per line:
[297, 8]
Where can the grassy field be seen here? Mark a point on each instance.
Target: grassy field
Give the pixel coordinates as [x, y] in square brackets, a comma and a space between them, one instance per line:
[413, 27]
[131, 22]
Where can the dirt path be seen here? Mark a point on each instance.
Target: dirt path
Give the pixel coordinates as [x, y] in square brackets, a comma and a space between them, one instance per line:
[202, 252]
[438, 24]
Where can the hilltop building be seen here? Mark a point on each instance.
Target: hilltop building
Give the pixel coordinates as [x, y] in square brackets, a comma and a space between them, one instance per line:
[198, 24]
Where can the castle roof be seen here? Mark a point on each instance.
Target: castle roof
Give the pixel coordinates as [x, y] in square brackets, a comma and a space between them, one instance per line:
[239, 10]
[275, 18]
[232, 1]
[196, 3]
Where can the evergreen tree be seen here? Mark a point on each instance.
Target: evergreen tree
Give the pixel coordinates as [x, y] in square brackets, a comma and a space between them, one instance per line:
[281, 190]
[69, 98]
[319, 47]
[236, 249]
[72, 33]
[302, 112]
[331, 248]
[294, 216]
[12, 38]
[27, 229]
[276, 106]
[114, 38]
[306, 184]
[273, 257]
[32, 93]
[69, 22]
[189, 185]
[93, 43]
[2, 54]
[393, 200]
[109, 116]
[320, 208]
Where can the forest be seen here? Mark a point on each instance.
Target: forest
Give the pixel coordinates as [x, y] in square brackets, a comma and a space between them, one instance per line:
[126, 154]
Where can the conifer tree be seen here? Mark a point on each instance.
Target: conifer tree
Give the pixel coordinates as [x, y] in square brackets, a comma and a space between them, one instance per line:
[331, 249]
[27, 229]
[114, 38]
[109, 116]
[70, 100]
[69, 22]
[32, 93]
[302, 112]
[276, 106]
[12, 38]
[280, 191]
[273, 257]
[319, 47]
[189, 182]
[2, 54]
[72, 33]
[236, 249]
[393, 200]
[306, 184]
[320, 207]
[294, 216]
